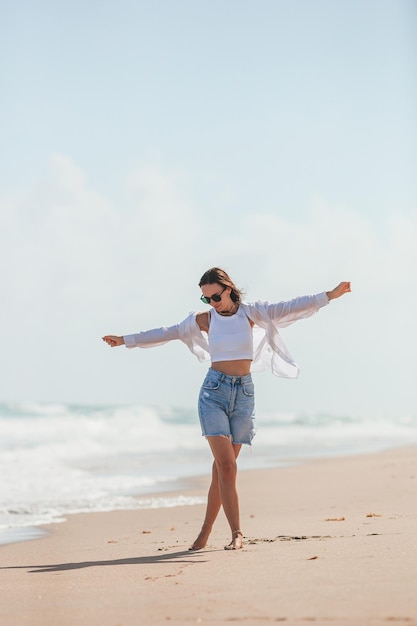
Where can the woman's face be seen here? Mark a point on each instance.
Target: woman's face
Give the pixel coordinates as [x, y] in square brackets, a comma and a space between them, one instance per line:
[220, 293]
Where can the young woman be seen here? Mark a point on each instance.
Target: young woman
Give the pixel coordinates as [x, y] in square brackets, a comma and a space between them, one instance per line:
[238, 339]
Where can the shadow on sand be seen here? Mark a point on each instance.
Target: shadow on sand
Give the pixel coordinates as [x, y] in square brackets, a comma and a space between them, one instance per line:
[185, 556]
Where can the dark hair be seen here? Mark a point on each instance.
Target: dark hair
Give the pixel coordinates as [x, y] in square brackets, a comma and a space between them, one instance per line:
[217, 275]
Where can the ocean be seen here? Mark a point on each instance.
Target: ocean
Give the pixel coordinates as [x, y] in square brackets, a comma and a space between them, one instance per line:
[58, 459]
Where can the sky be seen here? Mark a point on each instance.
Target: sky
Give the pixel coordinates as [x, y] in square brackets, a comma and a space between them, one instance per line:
[144, 142]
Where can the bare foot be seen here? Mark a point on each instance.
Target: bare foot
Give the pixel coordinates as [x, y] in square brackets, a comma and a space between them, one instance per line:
[202, 538]
[237, 541]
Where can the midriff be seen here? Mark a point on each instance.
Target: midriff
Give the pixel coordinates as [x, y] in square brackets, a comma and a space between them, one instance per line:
[240, 367]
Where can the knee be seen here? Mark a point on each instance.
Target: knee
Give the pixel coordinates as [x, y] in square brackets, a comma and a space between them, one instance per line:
[226, 468]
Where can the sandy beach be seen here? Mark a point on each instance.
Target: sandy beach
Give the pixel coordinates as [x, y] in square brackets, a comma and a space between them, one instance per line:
[330, 541]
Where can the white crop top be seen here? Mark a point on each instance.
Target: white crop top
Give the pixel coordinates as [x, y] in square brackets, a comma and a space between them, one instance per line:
[230, 338]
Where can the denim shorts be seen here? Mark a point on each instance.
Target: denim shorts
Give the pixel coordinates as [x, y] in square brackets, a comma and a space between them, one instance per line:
[226, 406]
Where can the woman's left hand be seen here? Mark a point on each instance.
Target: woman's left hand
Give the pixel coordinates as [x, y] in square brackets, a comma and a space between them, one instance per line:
[338, 291]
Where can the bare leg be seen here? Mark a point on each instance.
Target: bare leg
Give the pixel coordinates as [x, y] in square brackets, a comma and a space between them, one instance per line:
[212, 510]
[222, 491]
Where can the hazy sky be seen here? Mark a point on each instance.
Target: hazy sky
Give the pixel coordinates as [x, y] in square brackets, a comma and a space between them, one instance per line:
[143, 142]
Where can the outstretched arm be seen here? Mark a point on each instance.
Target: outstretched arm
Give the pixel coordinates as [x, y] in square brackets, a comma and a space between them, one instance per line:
[338, 291]
[285, 313]
[145, 339]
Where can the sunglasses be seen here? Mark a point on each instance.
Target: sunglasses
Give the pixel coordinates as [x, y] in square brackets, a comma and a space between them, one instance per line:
[216, 297]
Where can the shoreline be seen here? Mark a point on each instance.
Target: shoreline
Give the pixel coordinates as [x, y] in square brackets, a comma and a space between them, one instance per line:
[99, 458]
[328, 539]
[184, 484]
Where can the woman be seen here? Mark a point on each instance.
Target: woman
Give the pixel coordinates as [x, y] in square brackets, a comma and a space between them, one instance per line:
[238, 339]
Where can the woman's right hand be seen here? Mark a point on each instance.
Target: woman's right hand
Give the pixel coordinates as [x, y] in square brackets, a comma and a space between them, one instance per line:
[113, 340]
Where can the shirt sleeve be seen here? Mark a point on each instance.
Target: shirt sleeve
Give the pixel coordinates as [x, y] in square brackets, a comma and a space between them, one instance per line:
[285, 313]
[152, 338]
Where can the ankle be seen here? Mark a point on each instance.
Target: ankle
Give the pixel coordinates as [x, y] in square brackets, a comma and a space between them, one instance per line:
[237, 541]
